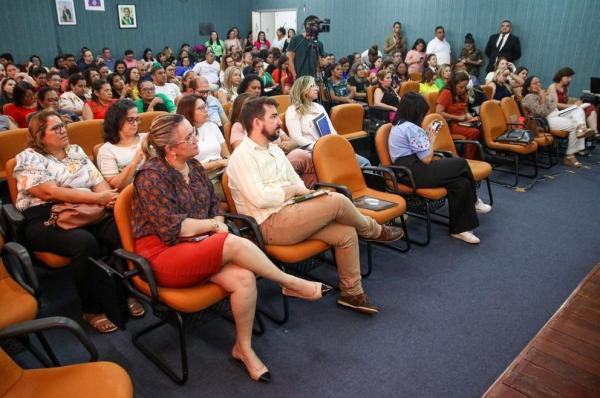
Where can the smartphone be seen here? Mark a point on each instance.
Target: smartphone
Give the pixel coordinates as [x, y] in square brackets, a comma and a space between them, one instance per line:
[436, 125]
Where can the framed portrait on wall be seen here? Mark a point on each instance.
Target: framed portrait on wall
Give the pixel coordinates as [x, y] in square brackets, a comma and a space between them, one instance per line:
[65, 12]
[127, 16]
[94, 5]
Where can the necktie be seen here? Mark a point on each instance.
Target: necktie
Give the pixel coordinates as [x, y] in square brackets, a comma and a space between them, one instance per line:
[499, 42]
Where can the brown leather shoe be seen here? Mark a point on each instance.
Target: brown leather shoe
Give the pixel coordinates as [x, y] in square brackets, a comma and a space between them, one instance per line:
[358, 303]
[388, 234]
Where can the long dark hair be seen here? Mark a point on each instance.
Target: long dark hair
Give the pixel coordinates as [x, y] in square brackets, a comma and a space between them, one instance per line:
[246, 82]
[115, 118]
[412, 108]
[187, 107]
[527, 85]
[453, 82]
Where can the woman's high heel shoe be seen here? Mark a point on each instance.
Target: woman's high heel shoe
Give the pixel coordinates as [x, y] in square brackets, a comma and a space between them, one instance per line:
[321, 290]
[261, 375]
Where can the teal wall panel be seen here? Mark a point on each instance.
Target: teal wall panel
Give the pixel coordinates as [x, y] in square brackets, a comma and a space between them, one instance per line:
[553, 33]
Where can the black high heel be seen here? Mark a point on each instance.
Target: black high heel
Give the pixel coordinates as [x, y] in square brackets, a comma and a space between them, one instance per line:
[261, 375]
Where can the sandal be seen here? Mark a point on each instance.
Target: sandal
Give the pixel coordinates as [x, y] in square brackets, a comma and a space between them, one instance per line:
[572, 161]
[100, 322]
[136, 309]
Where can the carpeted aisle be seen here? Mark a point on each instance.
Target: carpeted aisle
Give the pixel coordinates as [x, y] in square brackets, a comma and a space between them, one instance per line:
[453, 316]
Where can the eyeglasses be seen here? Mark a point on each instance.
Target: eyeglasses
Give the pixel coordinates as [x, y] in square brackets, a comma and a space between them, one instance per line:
[192, 138]
[201, 92]
[133, 119]
[59, 128]
[52, 99]
[148, 89]
[202, 108]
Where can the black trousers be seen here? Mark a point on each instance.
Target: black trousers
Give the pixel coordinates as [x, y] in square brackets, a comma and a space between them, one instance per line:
[78, 244]
[455, 175]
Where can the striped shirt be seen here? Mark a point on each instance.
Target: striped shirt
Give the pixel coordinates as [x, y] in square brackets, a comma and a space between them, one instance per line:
[257, 176]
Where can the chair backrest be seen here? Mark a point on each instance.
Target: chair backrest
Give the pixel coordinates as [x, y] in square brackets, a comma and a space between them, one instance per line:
[416, 77]
[431, 99]
[347, 118]
[86, 134]
[11, 143]
[227, 108]
[488, 90]
[335, 162]
[10, 371]
[444, 140]
[283, 101]
[10, 179]
[408, 86]
[381, 144]
[227, 135]
[95, 152]
[147, 118]
[510, 109]
[371, 95]
[122, 213]
[492, 120]
[227, 191]
[283, 125]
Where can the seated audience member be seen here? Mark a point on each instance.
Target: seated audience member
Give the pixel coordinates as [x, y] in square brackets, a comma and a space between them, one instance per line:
[233, 40]
[501, 62]
[231, 81]
[400, 75]
[500, 84]
[171, 78]
[209, 69]
[271, 58]
[262, 181]
[90, 75]
[87, 60]
[427, 84]
[148, 56]
[517, 87]
[471, 56]
[212, 149]
[359, 79]
[339, 90]
[53, 171]
[345, 63]
[120, 90]
[370, 55]
[133, 79]
[165, 223]
[55, 82]
[443, 76]
[185, 66]
[559, 90]
[103, 70]
[151, 101]
[120, 67]
[48, 99]
[24, 103]
[121, 155]
[376, 66]
[226, 62]
[282, 76]
[452, 103]
[251, 84]
[216, 45]
[415, 58]
[129, 60]
[40, 75]
[265, 77]
[412, 147]
[7, 87]
[159, 77]
[73, 98]
[145, 69]
[15, 73]
[2, 71]
[300, 115]
[247, 64]
[431, 63]
[300, 159]
[6, 123]
[539, 103]
[216, 113]
[261, 42]
[187, 79]
[101, 100]
[279, 40]
[385, 98]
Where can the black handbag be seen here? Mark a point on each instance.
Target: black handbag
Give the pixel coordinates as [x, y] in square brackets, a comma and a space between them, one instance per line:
[516, 136]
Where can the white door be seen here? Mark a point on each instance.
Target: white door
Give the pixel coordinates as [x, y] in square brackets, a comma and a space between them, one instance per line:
[255, 24]
[286, 19]
[267, 24]
[271, 20]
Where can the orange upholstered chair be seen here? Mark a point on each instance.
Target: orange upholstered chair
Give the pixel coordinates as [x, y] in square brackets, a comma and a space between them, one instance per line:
[11, 143]
[408, 86]
[423, 201]
[227, 108]
[431, 99]
[86, 134]
[445, 145]
[488, 91]
[227, 135]
[347, 119]
[494, 125]
[168, 303]
[146, 120]
[336, 167]
[283, 101]
[416, 77]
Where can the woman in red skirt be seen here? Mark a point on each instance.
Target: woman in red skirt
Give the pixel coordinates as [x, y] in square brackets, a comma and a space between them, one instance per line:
[179, 227]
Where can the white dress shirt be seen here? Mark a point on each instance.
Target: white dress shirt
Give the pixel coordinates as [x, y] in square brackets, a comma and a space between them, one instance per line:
[441, 49]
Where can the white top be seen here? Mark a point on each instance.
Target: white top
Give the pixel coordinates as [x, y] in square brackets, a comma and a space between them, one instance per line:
[302, 128]
[441, 49]
[209, 71]
[112, 159]
[171, 90]
[278, 43]
[257, 176]
[365, 57]
[69, 101]
[76, 170]
[209, 143]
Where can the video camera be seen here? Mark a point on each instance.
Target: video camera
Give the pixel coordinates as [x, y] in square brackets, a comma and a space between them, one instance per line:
[318, 26]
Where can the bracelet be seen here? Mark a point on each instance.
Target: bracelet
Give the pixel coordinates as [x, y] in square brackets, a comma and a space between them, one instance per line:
[214, 225]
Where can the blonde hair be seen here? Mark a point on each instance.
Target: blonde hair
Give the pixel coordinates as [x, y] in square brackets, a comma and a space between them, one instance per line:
[161, 134]
[500, 71]
[441, 70]
[38, 122]
[227, 76]
[300, 88]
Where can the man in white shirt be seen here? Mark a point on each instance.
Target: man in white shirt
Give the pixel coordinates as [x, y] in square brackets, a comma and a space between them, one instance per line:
[440, 47]
[159, 77]
[263, 181]
[209, 68]
[279, 40]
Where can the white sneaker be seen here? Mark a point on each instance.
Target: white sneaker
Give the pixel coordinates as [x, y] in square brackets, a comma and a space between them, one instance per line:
[481, 207]
[467, 236]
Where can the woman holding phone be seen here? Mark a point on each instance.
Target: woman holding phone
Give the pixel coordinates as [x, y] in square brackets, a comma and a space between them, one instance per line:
[412, 146]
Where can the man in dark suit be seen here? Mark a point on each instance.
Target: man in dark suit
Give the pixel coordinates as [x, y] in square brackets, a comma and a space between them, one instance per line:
[503, 44]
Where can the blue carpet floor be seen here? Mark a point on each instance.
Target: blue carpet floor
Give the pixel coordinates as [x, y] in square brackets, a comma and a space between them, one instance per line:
[452, 316]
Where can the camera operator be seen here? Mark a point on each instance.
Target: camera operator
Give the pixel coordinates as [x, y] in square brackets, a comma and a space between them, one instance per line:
[301, 51]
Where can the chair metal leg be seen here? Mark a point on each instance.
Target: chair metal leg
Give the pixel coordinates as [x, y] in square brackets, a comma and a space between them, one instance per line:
[177, 320]
[489, 189]
[48, 349]
[427, 218]
[369, 261]
[26, 341]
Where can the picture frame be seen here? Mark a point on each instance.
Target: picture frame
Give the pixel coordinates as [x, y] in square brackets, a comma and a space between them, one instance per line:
[65, 12]
[127, 16]
[94, 5]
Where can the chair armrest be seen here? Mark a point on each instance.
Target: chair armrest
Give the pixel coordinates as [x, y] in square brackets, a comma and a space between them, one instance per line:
[403, 170]
[13, 215]
[384, 171]
[26, 268]
[473, 142]
[55, 322]
[252, 226]
[142, 268]
[444, 154]
[337, 187]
